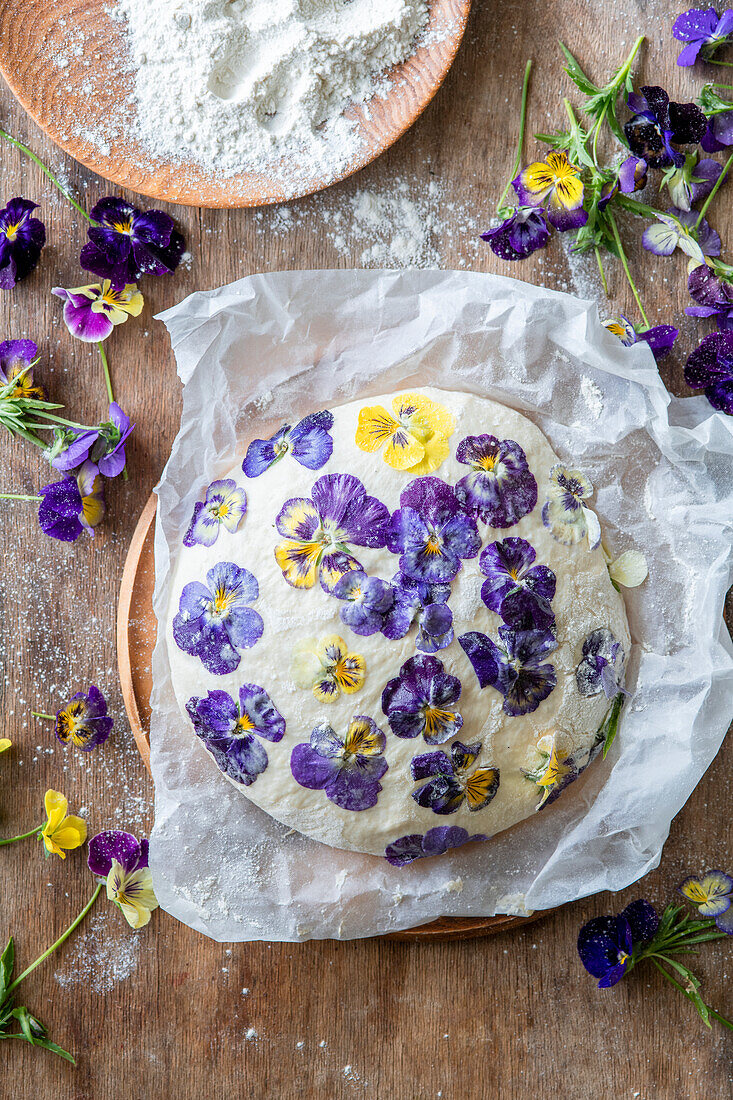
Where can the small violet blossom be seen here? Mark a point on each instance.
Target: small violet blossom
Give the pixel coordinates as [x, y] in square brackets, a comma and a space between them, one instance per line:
[522, 233]
[679, 229]
[92, 312]
[84, 720]
[21, 240]
[515, 667]
[229, 730]
[693, 182]
[120, 860]
[555, 185]
[224, 506]
[308, 442]
[606, 944]
[428, 603]
[515, 588]
[704, 31]
[102, 447]
[710, 368]
[453, 780]
[660, 338]
[434, 843]
[719, 134]
[17, 358]
[127, 243]
[712, 894]
[366, 600]
[500, 489]
[601, 667]
[432, 532]
[421, 700]
[657, 126]
[714, 297]
[564, 513]
[348, 769]
[631, 176]
[72, 505]
[327, 667]
[214, 622]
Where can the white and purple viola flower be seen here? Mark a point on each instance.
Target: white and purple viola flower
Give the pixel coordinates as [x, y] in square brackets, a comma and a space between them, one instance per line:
[121, 861]
[225, 506]
[318, 533]
[230, 730]
[680, 229]
[347, 768]
[703, 31]
[428, 603]
[602, 665]
[516, 667]
[453, 780]
[366, 601]
[657, 126]
[214, 622]
[126, 243]
[500, 489]
[565, 514]
[432, 532]
[515, 588]
[434, 843]
[421, 701]
[714, 297]
[308, 441]
[710, 368]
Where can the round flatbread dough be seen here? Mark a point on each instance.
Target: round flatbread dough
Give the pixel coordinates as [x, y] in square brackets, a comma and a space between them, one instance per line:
[335, 614]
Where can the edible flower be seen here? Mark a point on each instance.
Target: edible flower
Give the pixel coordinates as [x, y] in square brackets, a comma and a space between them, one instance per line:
[121, 861]
[366, 599]
[606, 944]
[555, 185]
[629, 569]
[72, 505]
[564, 514]
[454, 780]
[127, 243]
[693, 182]
[21, 240]
[61, 833]
[224, 506]
[428, 603]
[554, 773]
[601, 666]
[421, 701]
[92, 312]
[102, 447]
[347, 768]
[416, 437]
[309, 442]
[522, 233]
[500, 489]
[84, 720]
[704, 31]
[680, 229]
[719, 134]
[434, 843]
[432, 532]
[213, 622]
[714, 297]
[17, 358]
[712, 894]
[710, 368]
[660, 338]
[658, 125]
[5, 744]
[230, 730]
[514, 667]
[515, 588]
[327, 667]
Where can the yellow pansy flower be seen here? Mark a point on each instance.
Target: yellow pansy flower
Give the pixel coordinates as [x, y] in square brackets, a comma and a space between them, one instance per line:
[61, 834]
[327, 667]
[415, 438]
[5, 744]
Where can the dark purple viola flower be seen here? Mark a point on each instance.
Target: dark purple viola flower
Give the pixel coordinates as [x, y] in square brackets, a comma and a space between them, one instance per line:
[230, 730]
[606, 944]
[128, 243]
[501, 487]
[225, 506]
[515, 667]
[433, 843]
[660, 338]
[602, 664]
[714, 296]
[432, 532]
[703, 30]
[428, 603]
[213, 623]
[72, 505]
[84, 720]
[523, 233]
[719, 133]
[421, 701]
[113, 844]
[515, 588]
[658, 125]
[348, 769]
[710, 368]
[367, 601]
[453, 780]
[16, 363]
[308, 442]
[21, 240]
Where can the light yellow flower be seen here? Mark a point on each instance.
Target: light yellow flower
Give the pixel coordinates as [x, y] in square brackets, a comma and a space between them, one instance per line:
[327, 667]
[629, 569]
[61, 832]
[5, 744]
[416, 437]
[133, 892]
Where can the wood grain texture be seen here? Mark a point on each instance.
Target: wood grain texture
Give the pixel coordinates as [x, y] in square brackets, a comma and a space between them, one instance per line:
[77, 99]
[507, 1017]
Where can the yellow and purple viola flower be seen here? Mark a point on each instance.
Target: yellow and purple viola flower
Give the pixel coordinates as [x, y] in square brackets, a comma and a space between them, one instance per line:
[606, 944]
[309, 442]
[710, 368]
[522, 233]
[714, 297]
[428, 603]
[433, 843]
[121, 861]
[91, 312]
[327, 668]
[555, 771]
[556, 185]
[601, 666]
[680, 229]
[515, 588]
[515, 667]
[72, 505]
[564, 514]
[127, 243]
[21, 240]
[415, 438]
[62, 832]
[500, 489]
[703, 31]
[318, 533]
[347, 768]
[225, 506]
[453, 779]
[102, 447]
[214, 622]
[17, 358]
[432, 532]
[84, 721]
[657, 126]
[712, 894]
[421, 701]
[660, 338]
[366, 601]
[230, 730]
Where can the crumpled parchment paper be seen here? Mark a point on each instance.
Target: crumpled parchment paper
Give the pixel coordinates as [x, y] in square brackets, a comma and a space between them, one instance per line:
[280, 345]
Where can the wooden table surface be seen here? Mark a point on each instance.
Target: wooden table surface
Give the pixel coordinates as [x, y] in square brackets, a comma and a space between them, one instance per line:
[165, 1012]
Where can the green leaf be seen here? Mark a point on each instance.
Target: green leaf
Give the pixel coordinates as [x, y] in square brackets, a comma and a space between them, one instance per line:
[7, 962]
[576, 74]
[47, 1044]
[23, 1018]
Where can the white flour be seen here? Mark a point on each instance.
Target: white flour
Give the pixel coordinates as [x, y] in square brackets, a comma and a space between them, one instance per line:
[238, 84]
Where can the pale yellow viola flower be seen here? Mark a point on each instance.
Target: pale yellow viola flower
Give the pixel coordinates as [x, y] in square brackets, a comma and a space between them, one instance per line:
[61, 834]
[133, 892]
[414, 436]
[629, 570]
[5, 744]
[327, 667]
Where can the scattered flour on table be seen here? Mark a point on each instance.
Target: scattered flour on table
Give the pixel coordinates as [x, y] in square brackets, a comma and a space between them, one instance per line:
[103, 953]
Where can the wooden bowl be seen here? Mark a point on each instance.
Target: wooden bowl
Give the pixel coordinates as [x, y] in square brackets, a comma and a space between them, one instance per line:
[75, 101]
[136, 631]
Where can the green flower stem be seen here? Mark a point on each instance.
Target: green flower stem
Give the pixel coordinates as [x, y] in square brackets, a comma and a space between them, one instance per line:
[22, 836]
[105, 364]
[18, 496]
[713, 193]
[520, 141]
[40, 714]
[625, 265]
[67, 423]
[678, 985]
[601, 271]
[64, 936]
[54, 180]
[712, 61]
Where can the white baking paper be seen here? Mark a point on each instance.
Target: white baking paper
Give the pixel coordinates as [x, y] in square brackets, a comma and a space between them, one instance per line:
[277, 346]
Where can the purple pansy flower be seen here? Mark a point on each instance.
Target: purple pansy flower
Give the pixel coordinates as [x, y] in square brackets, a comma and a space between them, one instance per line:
[420, 700]
[225, 506]
[693, 182]
[426, 602]
[501, 487]
[103, 447]
[454, 780]
[710, 368]
[16, 363]
[631, 176]
[319, 532]
[432, 532]
[308, 442]
[21, 240]
[515, 588]
[128, 243]
[230, 731]
[606, 944]
[719, 133]
[367, 601]
[348, 769]
[658, 125]
[434, 843]
[213, 623]
[72, 505]
[515, 667]
[601, 667]
[660, 338]
[521, 234]
[703, 30]
[122, 860]
[679, 229]
[91, 312]
[714, 296]
[84, 720]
